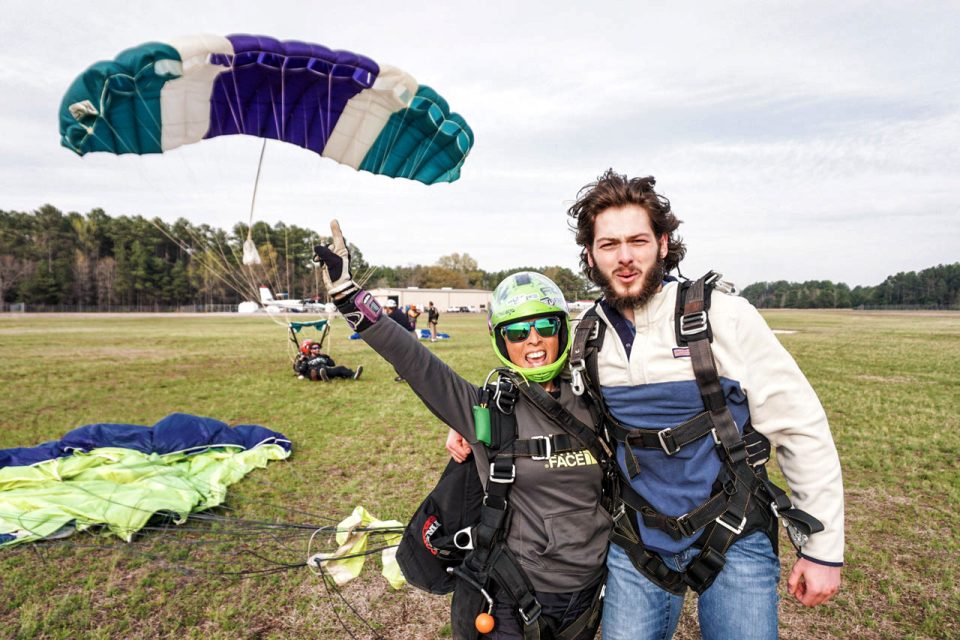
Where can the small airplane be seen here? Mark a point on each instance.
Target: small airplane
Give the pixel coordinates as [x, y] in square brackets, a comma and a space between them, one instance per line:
[270, 304]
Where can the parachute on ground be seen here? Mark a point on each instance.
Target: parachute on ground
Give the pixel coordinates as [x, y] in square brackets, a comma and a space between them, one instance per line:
[118, 476]
[341, 105]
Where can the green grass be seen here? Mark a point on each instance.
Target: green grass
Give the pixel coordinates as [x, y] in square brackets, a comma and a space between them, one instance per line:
[890, 384]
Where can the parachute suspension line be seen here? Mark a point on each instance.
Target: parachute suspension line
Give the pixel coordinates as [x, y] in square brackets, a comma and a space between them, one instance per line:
[199, 252]
[250, 254]
[277, 121]
[247, 287]
[328, 113]
[241, 125]
[116, 134]
[330, 584]
[286, 255]
[237, 120]
[283, 101]
[158, 124]
[365, 276]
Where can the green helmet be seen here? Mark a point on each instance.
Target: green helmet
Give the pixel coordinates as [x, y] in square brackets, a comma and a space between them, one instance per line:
[525, 295]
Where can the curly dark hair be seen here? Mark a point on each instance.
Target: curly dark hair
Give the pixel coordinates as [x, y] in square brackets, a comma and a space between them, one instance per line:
[613, 189]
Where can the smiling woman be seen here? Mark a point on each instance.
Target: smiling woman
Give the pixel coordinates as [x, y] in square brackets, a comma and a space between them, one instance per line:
[535, 552]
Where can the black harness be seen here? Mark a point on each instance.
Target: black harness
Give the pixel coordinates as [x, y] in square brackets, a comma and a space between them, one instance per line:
[477, 555]
[743, 499]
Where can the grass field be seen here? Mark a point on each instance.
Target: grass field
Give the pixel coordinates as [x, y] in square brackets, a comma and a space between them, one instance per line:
[890, 383]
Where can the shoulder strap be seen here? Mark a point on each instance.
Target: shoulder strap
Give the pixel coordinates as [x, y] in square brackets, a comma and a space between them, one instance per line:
[691, 321]
[693, 327]
[587, 341]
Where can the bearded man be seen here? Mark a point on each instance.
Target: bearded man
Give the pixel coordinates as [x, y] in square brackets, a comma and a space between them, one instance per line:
[647, 384]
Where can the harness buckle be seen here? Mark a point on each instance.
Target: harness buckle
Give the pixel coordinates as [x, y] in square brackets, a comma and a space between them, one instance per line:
[726, 287]
[667, 443]
[547, 446]
[531, 616]
[737, 530]
[683, 526]
[693, 323]
[463, 539]
[716, 438]
[576, 383]
[500, 479]
[621, 511]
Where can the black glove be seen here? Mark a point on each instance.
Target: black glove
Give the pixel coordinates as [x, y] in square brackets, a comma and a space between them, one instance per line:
[334, 261]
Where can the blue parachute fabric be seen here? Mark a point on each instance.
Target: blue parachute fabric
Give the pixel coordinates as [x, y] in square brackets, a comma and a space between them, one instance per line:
[424, 334]
[29, 456]
[178, 432]
[262, 68]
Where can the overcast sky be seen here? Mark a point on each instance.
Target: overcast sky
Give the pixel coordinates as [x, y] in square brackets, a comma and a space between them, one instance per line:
[797, 141]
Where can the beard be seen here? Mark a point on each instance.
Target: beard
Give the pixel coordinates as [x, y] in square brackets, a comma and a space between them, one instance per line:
[649, 285]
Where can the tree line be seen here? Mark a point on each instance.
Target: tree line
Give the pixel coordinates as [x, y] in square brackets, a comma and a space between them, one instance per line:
[933, 288]
[48, 257]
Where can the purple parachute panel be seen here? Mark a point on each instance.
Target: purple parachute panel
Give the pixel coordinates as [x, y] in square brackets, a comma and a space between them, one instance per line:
[290, 91]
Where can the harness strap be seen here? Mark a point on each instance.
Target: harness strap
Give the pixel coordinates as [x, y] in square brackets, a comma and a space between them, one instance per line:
[646, 562]
[505, 570]
[589, 619]
[565, 420]
[542, 447]
[587, 339]
[490, 558]
[697, 303]
[741, 505]
[670, 440]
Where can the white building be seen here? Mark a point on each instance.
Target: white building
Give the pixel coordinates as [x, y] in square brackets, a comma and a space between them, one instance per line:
[445, 299]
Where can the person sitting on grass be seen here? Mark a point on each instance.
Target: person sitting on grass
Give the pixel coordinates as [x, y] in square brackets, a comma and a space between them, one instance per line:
[312, 363]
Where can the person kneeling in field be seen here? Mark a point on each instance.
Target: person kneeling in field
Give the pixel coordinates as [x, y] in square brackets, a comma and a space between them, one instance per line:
[535, 560]
[312, 363]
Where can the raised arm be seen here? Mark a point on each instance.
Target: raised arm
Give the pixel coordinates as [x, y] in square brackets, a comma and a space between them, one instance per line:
[441, 389]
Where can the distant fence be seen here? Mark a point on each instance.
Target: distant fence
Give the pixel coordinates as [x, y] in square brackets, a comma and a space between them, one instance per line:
[904, 307]
[22, 307]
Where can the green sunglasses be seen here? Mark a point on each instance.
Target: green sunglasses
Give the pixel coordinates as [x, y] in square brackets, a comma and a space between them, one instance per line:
[520, 331]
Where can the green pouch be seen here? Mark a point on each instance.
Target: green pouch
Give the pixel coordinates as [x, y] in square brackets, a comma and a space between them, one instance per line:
[481, 423]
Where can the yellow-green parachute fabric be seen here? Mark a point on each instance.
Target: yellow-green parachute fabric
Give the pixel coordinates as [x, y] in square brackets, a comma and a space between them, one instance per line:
[115, 477]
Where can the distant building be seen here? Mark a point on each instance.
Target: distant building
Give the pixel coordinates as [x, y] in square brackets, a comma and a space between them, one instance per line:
[445, 299]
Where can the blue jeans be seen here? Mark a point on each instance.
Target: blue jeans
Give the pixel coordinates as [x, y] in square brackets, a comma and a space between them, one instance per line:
[741, 604]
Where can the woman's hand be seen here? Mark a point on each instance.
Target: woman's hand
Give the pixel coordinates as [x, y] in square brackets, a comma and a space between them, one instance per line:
[458, 447]
[334, 261]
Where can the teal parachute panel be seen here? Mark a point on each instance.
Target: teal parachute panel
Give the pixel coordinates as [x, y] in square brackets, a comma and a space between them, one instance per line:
[424, 142]
[128, 89]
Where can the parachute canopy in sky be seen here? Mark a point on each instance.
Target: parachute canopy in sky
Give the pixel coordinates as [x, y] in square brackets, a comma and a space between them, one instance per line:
[341, 105]
[118, 476]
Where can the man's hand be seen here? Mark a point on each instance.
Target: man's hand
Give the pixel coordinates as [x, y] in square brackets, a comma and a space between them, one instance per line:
[334, 261]
[813, 583]
[457, 446]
